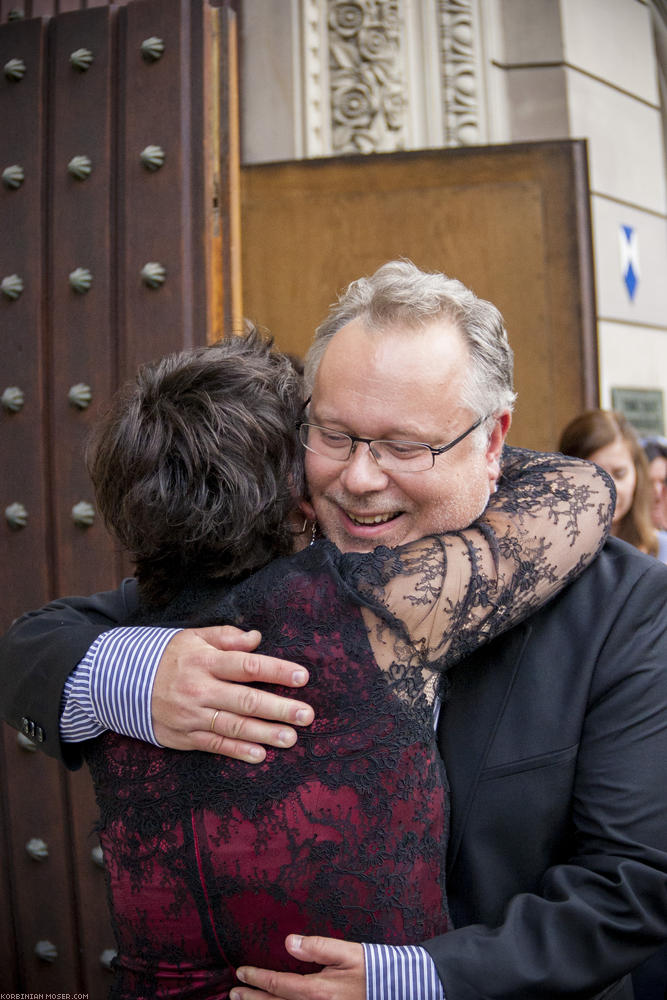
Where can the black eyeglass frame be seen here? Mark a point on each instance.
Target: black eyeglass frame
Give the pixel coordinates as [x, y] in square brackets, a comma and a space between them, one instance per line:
[354, 439]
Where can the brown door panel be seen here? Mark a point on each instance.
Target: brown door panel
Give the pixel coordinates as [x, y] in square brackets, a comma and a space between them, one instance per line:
[510, 221]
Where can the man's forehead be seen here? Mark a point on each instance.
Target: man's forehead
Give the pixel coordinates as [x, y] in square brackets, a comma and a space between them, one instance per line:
[408, 386]
[393, 349]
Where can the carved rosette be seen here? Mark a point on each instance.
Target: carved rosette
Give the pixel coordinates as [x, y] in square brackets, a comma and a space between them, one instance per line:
[460, 80]
[365, 76]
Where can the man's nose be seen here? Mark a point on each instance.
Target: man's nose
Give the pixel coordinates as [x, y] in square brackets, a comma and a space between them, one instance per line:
[361, 473]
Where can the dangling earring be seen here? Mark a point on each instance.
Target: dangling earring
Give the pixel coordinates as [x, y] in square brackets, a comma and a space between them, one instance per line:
[313, 533]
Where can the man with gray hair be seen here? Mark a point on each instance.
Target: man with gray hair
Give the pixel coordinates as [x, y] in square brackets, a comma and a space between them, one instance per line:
[554, 736]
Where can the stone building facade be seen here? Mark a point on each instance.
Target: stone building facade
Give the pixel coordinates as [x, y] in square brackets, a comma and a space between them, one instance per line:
[345, 77]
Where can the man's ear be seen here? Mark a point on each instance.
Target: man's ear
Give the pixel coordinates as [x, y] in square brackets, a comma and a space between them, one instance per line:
[495, 446]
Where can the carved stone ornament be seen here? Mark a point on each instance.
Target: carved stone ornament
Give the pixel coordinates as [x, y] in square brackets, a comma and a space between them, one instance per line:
[80, 280]
[81, 60]
[16, 516]
[152, 157]
[367, 88]
[460, 73]
[12, 399]
[152, 48]
[154, 274]
[13, 177]
[11, 286]
[80, 395]
[80, 167]
[83, 514]
[15, 70]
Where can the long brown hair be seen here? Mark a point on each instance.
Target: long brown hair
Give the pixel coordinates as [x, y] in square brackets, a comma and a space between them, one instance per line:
[596, 429]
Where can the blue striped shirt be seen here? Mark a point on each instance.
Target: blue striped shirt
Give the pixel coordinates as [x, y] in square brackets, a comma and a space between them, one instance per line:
[111, 688]
[401, 973]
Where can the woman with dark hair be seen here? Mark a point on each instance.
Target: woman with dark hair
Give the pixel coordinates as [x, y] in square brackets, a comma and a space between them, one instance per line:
[209, 862]
[609, 439]
[196, 466]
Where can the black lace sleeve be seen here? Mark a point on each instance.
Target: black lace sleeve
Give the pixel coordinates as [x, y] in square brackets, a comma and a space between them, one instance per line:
[448, 594]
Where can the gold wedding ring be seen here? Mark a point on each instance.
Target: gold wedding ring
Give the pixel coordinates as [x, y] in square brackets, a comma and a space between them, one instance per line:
[215, 716]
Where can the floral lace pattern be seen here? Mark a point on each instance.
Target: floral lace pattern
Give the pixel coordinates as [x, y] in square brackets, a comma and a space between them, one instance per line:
[210, 862]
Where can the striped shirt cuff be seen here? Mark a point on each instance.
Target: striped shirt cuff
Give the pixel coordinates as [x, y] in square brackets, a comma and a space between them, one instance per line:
[401, 973]
[112, 686]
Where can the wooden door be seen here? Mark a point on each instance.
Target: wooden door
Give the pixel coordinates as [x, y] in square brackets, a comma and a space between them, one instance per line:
[512, 222]
[117, 174]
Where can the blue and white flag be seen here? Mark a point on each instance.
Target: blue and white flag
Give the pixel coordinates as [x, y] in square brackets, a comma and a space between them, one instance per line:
[629, 259]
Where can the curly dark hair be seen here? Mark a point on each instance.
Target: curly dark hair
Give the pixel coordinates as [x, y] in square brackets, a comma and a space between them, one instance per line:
[196, 465]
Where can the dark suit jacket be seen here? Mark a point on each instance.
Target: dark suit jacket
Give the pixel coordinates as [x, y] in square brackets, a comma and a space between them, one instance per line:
[555, 740]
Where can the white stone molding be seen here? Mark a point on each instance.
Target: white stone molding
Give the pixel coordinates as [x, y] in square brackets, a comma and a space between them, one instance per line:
[461, 73]
[315, 62]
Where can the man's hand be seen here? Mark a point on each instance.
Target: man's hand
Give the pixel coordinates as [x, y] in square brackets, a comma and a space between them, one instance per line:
[200, 700]
[343, 978]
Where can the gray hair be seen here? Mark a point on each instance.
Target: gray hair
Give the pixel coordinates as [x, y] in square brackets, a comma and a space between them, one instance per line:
[400, 294]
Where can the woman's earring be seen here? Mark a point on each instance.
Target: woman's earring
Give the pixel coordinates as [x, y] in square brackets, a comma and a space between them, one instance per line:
[313, 533]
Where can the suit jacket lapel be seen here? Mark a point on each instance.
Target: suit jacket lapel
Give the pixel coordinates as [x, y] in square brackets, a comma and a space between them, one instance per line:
[479, 689]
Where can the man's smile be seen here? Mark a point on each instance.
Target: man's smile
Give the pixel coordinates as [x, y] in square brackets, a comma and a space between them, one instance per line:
[369, 519]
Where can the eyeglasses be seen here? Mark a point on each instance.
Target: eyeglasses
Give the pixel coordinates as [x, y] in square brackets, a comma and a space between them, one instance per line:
[393, 456]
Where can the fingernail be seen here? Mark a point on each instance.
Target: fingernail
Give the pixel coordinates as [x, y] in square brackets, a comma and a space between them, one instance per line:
[256, 753]
[303, 715]
[286, 737]
[234, 995]
[296, 942]
[299, 677]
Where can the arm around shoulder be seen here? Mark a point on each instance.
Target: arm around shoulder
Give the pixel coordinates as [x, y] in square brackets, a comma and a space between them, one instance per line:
[39, 652]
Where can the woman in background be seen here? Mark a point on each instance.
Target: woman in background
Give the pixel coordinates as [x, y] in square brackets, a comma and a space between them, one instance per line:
[608, 439]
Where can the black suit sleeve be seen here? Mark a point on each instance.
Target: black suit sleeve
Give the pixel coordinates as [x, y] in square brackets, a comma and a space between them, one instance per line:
[39, 652]
[601, 909]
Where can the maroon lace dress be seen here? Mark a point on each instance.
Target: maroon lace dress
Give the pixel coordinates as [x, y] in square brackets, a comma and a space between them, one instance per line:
[211, 863]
